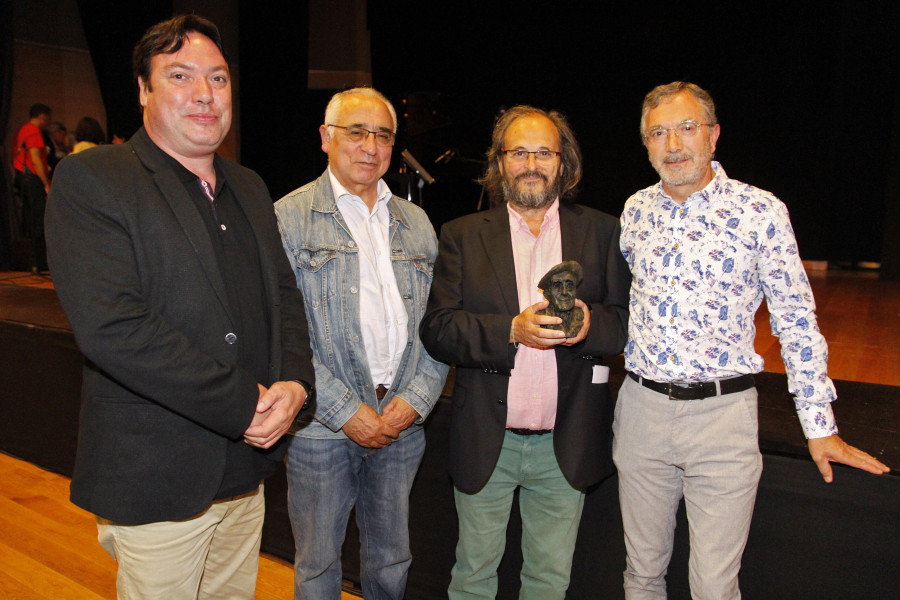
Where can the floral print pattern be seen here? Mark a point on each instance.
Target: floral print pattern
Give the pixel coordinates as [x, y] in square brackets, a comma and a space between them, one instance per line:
[700, 271]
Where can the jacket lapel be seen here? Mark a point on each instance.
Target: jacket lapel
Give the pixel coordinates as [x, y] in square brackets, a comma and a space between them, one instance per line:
[185, 212]
[571, 233]
[497, 243]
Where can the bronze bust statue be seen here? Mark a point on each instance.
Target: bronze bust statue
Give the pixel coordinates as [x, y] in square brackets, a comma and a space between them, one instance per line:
[559, 285]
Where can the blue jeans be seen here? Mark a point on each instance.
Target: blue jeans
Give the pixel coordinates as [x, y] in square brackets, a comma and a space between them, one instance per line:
[326, 478]
[551, 511]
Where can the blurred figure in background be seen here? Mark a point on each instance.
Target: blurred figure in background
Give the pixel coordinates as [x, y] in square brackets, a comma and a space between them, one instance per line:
[88, 133]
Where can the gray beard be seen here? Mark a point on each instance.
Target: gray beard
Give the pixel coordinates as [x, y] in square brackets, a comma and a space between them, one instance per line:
[701, 161]
[530, 200]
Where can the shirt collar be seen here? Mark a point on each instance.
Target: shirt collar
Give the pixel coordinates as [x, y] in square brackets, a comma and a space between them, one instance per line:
[183, 174]
[384, 192]
[551, 217]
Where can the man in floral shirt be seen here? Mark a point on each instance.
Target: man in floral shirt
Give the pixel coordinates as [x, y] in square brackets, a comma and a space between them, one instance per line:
[703, 251]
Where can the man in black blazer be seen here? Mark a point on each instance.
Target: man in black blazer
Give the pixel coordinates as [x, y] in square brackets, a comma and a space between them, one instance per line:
[168, 263]
[531, 408]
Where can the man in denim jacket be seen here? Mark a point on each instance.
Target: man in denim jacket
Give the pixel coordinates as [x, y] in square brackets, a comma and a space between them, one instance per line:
[364, 259]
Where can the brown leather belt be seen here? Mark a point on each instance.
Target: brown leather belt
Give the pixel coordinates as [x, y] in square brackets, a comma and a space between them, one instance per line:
[380, 391]
[697, 390]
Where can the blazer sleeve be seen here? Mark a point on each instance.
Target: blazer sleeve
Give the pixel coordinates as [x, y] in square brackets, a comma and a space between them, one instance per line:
[464, 322]
[99, 264]
[609, 314]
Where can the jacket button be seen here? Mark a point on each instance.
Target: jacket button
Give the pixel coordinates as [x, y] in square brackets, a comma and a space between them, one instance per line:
[230, 338]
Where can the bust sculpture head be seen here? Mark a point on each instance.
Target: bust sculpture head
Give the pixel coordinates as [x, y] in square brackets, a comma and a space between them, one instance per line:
[559, 285]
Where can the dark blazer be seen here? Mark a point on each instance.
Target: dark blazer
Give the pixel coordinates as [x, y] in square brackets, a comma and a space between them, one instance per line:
[473, 301]
[138, 278]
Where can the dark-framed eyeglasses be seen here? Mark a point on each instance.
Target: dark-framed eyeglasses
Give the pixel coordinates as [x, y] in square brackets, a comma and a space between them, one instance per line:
[518, 155]
[685, 129]
[359, 134]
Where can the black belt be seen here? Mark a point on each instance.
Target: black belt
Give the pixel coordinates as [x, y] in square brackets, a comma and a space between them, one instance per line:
[380, 391]
[521, 431]
[698, 390]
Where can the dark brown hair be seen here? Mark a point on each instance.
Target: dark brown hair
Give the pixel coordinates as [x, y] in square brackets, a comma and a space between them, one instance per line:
[168, 38]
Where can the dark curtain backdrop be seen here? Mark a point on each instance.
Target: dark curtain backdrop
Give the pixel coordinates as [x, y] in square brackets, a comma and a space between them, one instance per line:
[278, 137]
[805, 96]
[808, 99]
[111, 30]
[7, 203]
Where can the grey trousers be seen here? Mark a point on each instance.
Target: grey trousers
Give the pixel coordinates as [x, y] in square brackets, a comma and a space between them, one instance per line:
[706, 451]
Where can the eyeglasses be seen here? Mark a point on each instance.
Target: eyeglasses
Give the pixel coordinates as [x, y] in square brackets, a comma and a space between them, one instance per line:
[685, 129]
[520, 156]
[360, 134]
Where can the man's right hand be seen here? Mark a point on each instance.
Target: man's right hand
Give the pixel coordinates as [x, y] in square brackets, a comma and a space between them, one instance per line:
[526, 328]
[369, 430]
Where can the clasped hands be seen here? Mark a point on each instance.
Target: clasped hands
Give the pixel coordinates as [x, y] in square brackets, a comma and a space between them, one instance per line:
[526, 328]
[276, 409]
[371, 430]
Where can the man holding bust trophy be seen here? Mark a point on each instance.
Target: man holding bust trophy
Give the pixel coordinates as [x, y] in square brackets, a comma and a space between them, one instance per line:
[531, 405]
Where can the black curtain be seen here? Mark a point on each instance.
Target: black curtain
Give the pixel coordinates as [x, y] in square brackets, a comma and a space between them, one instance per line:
[279, 116]
[806, 99]
[7, 204]
[112, 30]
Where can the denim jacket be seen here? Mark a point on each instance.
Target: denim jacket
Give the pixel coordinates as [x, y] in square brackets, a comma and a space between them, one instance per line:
[326, 263]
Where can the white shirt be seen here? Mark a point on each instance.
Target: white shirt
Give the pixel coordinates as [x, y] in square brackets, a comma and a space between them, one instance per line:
[381, 312]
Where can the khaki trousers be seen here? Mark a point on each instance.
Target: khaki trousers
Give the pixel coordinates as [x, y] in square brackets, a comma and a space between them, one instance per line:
[212, 555]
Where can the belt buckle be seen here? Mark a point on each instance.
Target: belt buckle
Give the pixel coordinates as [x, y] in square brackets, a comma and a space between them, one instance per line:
[671, 387]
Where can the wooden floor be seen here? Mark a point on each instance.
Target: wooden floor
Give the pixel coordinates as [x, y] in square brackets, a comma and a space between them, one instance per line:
[48, 547]
[859, 315]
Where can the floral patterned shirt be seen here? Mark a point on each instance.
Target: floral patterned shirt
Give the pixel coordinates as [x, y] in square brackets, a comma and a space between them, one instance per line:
[700, 270]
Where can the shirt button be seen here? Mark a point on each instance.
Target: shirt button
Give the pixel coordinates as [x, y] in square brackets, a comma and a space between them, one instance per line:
[353, 289]
[223, 227]
[672, 358]
[676, 246]
[230, 338]
[352, 244]
[672, 320]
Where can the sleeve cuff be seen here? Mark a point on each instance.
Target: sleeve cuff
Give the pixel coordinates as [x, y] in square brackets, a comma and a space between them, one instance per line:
[817, 420]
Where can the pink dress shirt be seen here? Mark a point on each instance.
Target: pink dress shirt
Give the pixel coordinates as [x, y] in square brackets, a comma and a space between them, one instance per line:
[532, 394]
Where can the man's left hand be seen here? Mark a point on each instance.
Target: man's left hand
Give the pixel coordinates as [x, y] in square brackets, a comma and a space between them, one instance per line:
[833, 449]
[275, 412]
[399, 413]
[585, 325]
